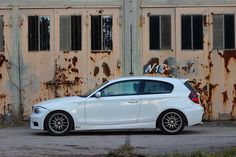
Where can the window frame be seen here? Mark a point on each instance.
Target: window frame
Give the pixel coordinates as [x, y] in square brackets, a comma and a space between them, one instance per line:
[160, 23]
[192, 32]
[101, 34]
[138, 93]
[2, 49]
[223, 31]
[141, 91]
[70, 35]
[38, 35]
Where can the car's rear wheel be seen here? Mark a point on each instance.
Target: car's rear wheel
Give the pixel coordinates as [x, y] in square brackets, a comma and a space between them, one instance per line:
[171, 122]
[58, 123]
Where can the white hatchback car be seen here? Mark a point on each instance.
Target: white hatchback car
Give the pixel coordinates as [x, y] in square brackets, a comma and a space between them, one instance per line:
[124, 103]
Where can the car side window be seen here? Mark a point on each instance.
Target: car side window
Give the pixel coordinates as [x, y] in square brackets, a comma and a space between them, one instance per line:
[121, 89]
[157, 87]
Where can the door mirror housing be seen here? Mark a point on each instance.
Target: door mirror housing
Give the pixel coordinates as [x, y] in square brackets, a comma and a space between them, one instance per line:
[98, 94]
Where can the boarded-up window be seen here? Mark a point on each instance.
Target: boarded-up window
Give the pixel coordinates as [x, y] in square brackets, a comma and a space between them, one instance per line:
[38, 33]
[101, 33]
[70, 33]
[192, 32]
[160, 32]
[223, 31]
[1, 34]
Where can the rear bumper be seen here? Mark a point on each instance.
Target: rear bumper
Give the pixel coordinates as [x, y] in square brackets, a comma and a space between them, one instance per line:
[194, 115]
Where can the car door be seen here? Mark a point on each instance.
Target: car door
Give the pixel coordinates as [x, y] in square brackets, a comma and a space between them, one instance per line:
[154, 95]
[119, 103]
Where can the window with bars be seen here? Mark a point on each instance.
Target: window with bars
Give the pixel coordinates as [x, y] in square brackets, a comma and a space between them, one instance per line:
[70, 33]
[192, 32]
[223, 31]
[1, 34]
[101, 33]
[160, 32]
[38, 33]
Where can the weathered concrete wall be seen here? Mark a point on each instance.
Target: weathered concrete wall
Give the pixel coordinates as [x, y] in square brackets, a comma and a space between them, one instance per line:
[55, 73]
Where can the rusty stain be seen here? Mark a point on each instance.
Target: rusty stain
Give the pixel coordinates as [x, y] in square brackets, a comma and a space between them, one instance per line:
[227, 55]
[211, 88]
[96, 71]
[74, 70]
[188, 67]
[92, 59]
[104, 79]
[225, 96]
[2, 59]
[233, 113]
[74, 60]
[108, 52]
[77, 79]
[153, 61]
[106, 69]
[65, 52]
[2, 96]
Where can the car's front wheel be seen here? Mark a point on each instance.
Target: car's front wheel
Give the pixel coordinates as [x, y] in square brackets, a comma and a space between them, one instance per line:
[171, 122]
[58, 123]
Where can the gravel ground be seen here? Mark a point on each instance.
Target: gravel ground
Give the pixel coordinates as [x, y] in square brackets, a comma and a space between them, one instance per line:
[22, 141]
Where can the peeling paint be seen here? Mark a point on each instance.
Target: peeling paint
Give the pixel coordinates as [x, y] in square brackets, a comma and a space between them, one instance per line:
[104, 79]
[74, 60]
[227, 55]
[225, 96]
[96, 71]
[106, 69]
[2, 59]
[92, 59]
[0, 76]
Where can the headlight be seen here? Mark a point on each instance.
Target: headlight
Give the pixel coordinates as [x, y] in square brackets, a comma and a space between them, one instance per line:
[38, 109]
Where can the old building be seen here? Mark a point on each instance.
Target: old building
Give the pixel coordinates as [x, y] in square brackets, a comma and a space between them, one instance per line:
[59, 48]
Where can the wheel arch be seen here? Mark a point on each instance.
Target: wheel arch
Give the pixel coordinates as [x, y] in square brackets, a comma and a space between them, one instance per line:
[169, 110]
[70, 116]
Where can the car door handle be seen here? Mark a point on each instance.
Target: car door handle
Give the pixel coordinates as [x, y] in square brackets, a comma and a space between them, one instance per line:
[133, 101]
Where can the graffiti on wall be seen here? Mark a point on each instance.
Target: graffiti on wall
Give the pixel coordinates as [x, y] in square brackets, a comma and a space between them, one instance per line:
[167, 67]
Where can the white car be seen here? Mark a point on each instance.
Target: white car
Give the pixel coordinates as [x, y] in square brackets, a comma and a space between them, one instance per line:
[124, 103]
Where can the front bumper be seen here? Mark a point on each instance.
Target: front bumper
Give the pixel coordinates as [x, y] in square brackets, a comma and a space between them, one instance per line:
[37, 120]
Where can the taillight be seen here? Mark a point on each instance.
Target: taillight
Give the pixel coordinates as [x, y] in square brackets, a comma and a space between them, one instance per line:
[194, 97]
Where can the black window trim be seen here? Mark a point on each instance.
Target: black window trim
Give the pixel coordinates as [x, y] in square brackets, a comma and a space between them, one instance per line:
[140, 83]
[141, 91]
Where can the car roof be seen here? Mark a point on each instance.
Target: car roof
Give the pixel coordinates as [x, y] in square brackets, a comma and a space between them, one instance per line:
[166, 79]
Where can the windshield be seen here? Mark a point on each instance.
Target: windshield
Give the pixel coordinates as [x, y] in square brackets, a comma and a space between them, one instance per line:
[93, 90]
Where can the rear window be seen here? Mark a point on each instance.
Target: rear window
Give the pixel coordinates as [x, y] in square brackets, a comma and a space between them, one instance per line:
[190, 87]
[157, 87]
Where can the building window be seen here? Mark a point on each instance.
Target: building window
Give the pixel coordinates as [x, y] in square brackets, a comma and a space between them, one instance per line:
[38, 33]
[192, 32]
[160, 32]
[101, 33]
[1, 34]
[223, 31]
[70, 33]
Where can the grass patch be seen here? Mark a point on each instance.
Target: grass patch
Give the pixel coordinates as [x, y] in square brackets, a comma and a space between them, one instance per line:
[128, 151]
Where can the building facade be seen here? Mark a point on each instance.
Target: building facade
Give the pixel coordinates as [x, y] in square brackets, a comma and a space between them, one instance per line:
[65, 47]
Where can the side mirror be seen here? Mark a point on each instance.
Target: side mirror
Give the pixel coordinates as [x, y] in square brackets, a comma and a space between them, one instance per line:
[98, 94]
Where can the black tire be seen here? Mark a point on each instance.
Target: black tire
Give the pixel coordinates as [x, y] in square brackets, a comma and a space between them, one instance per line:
[58, 123]
[171, 122]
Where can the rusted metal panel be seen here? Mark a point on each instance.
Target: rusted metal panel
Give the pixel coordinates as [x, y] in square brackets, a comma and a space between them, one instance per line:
[210, 71]
[5, 95]
[57, 73]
